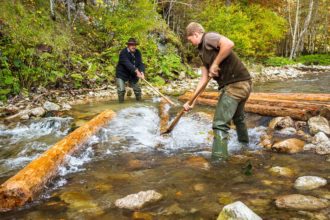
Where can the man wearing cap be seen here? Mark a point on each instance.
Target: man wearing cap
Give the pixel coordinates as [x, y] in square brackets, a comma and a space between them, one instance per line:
[129, 68]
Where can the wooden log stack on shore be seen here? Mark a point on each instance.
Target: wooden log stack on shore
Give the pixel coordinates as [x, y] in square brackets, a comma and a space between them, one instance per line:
[29, 181]
[298, 106]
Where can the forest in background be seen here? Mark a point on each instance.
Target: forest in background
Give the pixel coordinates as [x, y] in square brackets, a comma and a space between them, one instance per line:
[75, 43]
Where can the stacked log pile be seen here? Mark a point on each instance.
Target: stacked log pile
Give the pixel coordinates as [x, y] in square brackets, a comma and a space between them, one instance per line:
[297, 106]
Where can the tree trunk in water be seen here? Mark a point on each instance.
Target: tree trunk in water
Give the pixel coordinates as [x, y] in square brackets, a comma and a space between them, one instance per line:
[26, 184]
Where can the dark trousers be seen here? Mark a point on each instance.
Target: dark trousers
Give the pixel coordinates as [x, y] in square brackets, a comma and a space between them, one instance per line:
[121, 89]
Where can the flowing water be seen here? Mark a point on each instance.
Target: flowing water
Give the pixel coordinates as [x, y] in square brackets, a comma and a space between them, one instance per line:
[129, 155]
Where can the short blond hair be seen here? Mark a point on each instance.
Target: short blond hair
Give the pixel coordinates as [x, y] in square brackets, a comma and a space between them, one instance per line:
[194, 27]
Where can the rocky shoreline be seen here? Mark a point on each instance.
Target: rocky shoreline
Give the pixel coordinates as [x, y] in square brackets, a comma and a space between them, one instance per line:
[43, 101]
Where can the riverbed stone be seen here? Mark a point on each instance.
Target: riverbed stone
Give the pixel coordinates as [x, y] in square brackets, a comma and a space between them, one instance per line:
[199, 187]
[273, 123]
[301, 202]
[237, 210]
[197, 162]
[82, 202]
[309, 182]
[323, 148]
[300, 125]
[319, 138]
[142, 216]
[138, 200]
[288, 131]
[317, 124]
[281, 171]
[286, 122]
[66, 107]
[50, 106]
[292, 145]
[309, 147]
[38, 111]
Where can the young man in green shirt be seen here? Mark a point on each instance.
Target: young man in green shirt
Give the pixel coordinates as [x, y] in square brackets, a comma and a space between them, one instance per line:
[234, 80]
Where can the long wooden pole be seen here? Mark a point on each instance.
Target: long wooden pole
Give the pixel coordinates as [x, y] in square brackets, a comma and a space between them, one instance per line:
[159, 93]
[191, 101]
[26, 184]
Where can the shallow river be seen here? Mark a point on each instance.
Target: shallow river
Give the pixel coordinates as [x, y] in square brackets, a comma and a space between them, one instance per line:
[129, 155]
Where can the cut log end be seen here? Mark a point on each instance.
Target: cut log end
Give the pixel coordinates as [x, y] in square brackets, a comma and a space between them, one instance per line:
[13, 195]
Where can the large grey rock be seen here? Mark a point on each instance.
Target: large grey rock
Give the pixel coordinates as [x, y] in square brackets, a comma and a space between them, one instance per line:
[39, 111]
[317, 124]
[138, 200]
[50, 106]
[301, 202]
[237, 211]
[309, 182]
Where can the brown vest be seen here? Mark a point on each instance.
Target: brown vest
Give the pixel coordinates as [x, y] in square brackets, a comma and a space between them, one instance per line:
[231, 68]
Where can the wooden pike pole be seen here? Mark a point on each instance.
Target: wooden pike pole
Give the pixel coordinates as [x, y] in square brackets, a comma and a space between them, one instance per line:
[191, 101]
[26, 184]
[159, 93]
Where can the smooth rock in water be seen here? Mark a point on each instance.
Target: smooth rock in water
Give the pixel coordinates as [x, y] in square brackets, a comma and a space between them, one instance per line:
[273, 123]
[301, 202]
[308, 147]
[292, 145]
[320, 137]
[281, 171]
[82, 202]
[199, 187]
[286, 122]
[66, 107]
[317, 124]
[142, 216]
[38, 112]
[138, 200]
[50, 106]
[198, 162]
[288, 131]
[174, 209]
[323, 148]
[237, 211]
[309, 182]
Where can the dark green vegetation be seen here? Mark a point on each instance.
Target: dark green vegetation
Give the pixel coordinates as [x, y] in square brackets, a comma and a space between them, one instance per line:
[68, 51]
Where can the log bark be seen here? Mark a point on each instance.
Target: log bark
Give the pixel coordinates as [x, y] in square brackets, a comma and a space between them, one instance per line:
[296, 110]
[267, 110]
[164, 115]
[26, 184]
[278, 96]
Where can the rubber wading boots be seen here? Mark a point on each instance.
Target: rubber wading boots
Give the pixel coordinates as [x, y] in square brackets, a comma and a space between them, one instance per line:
[121, 97]
[220, 142]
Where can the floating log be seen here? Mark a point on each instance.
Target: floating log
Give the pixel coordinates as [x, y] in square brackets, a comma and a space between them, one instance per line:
[164, 115]
[26, 184]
